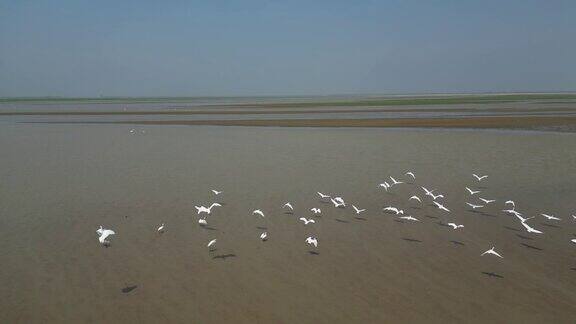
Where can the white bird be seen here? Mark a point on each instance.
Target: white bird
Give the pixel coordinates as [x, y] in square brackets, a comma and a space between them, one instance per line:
[455, 226]
[550, 217]
[289, 205]
[202, 222]
[103, 234]
[427, 192]
[479, 178]
[264, 236]
[522, 219]
[410, 173]
[132, 130]
[161, 228]
[338, 202]
[487, 201]
[472, 192]
[415, 198]
[394, 181]
[316, 210]
[573, 240]
[512, 211]
[491, 251]
[306, 221]
[216, 192]
[323, 196]
[312, 241]
[258, 212]
[410, 218]
[358, 211]
[394, 209]
[434, 197]
[574, 216]
[530, 229]
[385, 185]
[211, 243]
[511, 202]
[202, 209]
[474, 206]
[440, 206]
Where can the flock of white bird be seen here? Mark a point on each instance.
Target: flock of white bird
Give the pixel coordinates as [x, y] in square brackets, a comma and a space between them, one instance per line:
[338, 202]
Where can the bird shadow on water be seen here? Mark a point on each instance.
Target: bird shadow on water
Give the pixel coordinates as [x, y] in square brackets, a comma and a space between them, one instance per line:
[262, 227]
[532, 247]
[224, 256]
[411, 240]
[524, 237]
[128, 289]
[512, 228]
[399, 221]
[314, 252]
[415, 207]
[429, 216]
[457, 242]
[549, 225]
[209, 228]
[342, 221]
[492, 274]
[442, 224]
[360, 218]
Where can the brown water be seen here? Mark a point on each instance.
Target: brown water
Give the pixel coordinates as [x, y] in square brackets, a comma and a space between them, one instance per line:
[58, 183]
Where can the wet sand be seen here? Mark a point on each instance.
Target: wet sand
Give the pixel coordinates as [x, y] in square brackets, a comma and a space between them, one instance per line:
[62, 181]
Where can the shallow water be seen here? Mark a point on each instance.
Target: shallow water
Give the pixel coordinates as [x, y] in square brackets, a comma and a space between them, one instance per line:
[58, 183]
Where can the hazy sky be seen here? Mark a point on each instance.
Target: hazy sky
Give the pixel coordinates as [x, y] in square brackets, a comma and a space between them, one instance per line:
[195, 48]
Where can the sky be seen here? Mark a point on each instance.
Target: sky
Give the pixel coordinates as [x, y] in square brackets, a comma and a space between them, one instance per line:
[94, 48]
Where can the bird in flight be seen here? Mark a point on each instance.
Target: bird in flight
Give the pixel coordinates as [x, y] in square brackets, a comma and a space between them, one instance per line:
[289, 205]
[306, 221]
[103, 234]
[323, 196]
[312, 241]
[395, 182]
[474, 206]
[410, 218]
[491, 251]
[510, 202]
[455, 226]
[202, 209]
[316, 210]
[211, 243]
[385, 185]
[550, 217]
[479, 178]
[358, 211]
[487, 201]
[161, 228]
[216, 192]
[202, 222]
[338, 202]
[472, 192]
[415, 198]
[440, 206]
[258, 212]
[394, 210]
[530, 229]
[410, 173]
[264, 236]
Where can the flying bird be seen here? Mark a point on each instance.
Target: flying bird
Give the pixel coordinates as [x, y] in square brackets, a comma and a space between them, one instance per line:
[394, 210]
[264, 236]
[474, 206]
[316, 210]
[338, 202]
[455, 226]
[216, 192]
[103, 234]
[479, 178]
[385, 185]
[394, 181]
[410, 218]
[550, 217]
[472, 192]
[306, 221]
[161, 228]
[202, 209]
[487, 201]
[415, 198]
[312, 241]
[530, 229]
[211, 243]
[440, 206]
[289, 205]
[258, 212]
[491, 251]
[410, 173]
[510, 202]
[358, 211]
[202, 222]
[323, 196]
